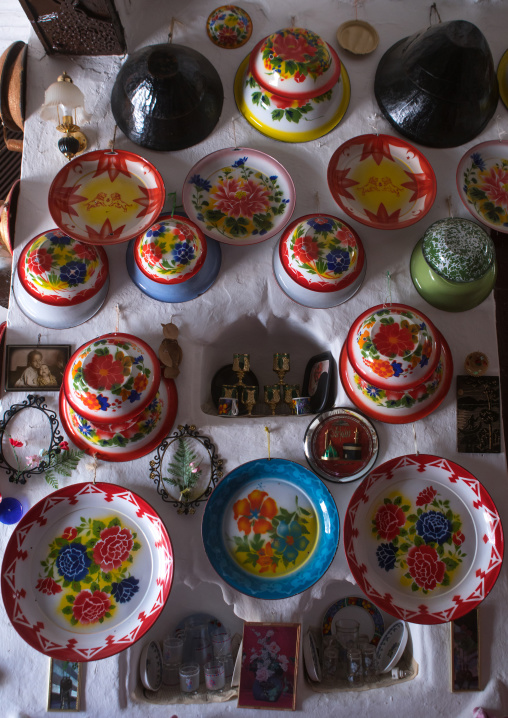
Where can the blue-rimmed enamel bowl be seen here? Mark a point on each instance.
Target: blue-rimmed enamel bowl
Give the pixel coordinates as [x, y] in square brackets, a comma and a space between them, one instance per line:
[173, 261]
[271, 528]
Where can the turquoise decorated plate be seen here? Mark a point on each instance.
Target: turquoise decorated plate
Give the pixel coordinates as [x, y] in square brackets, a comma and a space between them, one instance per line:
[270, 528]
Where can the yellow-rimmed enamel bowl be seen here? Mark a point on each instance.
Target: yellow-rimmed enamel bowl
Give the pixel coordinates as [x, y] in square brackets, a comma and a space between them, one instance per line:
[286, 119]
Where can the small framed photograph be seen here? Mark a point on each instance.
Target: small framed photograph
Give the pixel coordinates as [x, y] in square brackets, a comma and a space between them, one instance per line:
[319, 382]
[269, 666]
[64, 685]
[35, 368]
[466, 653]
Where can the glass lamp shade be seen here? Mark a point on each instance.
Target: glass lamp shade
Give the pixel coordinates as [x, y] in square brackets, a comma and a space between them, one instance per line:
[65, 95]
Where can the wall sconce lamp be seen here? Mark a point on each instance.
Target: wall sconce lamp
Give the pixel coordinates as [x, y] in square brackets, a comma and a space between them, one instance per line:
[64, 104]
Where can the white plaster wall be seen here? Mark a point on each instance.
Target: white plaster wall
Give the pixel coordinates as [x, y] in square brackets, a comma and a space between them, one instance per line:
[246, 295]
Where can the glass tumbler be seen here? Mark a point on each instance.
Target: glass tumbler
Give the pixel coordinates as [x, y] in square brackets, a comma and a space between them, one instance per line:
[368, 661]
[354, 672]
[221, 644]
[346, 633]
[215, 676]
[189, 678]
[172, 650]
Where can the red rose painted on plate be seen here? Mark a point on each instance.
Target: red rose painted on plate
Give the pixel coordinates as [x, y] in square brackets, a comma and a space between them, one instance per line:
[389, 520]
[48, 586]
[113, 548]
[425, 566]
[426, 496]
[90, 607]
[293, 47]
[70, 532]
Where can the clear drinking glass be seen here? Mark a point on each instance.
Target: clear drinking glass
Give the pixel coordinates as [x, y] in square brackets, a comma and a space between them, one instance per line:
[172, 650]
[215, 676]
[354, 666]
[189, 678]
[368, 661]
[346, 633]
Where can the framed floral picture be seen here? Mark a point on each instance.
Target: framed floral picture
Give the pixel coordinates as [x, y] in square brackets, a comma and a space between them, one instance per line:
[269, 666]
[64, 685]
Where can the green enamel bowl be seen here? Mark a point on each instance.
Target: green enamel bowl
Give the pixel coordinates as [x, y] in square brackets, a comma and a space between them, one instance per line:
[451, 296]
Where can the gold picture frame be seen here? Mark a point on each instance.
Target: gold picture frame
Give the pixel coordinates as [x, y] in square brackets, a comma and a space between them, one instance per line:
[465, 653]
[270, 657]
[65, 684]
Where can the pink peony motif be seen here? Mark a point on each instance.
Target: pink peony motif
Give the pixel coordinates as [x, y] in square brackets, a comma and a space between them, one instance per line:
[293, 47]
[425, 566]
[389, 520]
[426, 496]
[48, 586]
[237, 198]
[113, 548]
[39, 262]
[306, 249]
[494, 186]
[90, 607]
[263, 674]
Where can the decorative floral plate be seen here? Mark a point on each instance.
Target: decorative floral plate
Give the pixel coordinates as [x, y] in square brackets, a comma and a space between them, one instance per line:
[359, 609]
[295, 63]
[239, 196]
[393, 347]
[482, 182]
[58, 270]
[286, 119]
[322, 253]
[423, 539]
[270, 528]
[106, 197]
[341, 445]
[172, 251]
[128, 442]
[396, 407]
[111, 379]
[382, 181]
[391, 646]
[229, 27]
[87, 572]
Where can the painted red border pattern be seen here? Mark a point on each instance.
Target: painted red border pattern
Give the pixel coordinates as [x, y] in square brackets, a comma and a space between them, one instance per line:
[38, 634]
[480, 499]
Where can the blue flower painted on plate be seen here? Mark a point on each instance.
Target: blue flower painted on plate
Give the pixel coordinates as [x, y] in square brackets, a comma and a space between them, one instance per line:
[338, 260]
[72, 562]
[138, 360]
[200, 182]
[372, 390]
[85, 428]
[58, 238]
[424, 360]
[157, 230]
[183, 252]
[386, 556]
[477, 159]
[73, 273]
[103, 401]
[289, 540]
[134, 396]
[125, 590]
[241, 162]
[320, 224]
[434, 526]
[397, 368]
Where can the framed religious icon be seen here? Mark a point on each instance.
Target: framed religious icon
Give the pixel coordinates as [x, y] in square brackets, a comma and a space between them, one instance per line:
[269, 666]
[35, 368]
[64, 685]
[465, 636]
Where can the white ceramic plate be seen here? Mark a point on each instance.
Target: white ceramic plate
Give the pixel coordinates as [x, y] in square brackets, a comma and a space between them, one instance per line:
[391, 646]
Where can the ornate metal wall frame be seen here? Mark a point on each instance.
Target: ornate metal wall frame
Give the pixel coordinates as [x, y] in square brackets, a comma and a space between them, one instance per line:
[156, 468]
[33, 401]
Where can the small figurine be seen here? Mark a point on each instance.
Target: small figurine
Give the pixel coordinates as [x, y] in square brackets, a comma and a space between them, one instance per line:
[330, 451]
[170, 352]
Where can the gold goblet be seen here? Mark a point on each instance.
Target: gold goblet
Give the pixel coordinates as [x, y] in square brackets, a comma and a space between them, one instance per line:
[281, 365]
[241, 364]
[272, 396]
[291, 391]
[249, 397]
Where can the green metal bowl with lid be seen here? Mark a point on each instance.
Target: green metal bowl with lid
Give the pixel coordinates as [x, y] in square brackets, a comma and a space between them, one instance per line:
[454, 265]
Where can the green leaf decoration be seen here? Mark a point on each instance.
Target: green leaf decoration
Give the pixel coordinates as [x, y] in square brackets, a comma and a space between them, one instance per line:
[67, 610]
[180, 471]
[214, 215]
[277, 115]
[414, 586]
[63, 464]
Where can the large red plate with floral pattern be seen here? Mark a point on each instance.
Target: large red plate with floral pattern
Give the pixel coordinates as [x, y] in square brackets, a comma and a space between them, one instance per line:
[423, 539]
[106, 197]
[87, 571]
[382, 181]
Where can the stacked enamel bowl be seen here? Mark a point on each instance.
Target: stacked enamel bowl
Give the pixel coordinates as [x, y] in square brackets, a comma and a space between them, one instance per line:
[293, 86]
[173, 261]
[60, 282]
[395, 364]
[319, 261]
[113, 402]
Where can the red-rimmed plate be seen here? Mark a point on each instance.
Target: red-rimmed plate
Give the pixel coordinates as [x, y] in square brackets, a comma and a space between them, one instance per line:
[398, 407]
[106, 197]
[382, 181]
[87, 571]
[125, 442]
[423, 539]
